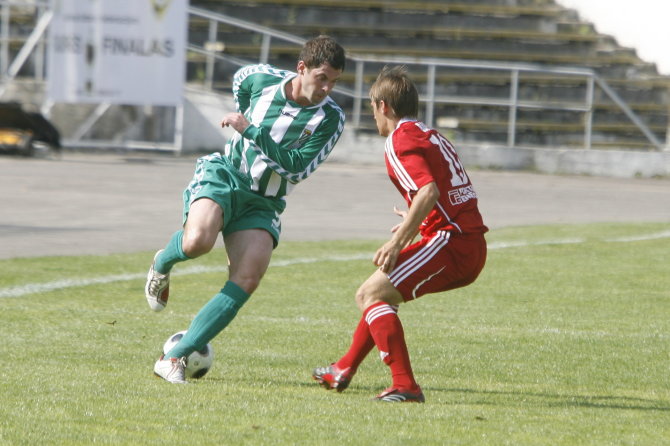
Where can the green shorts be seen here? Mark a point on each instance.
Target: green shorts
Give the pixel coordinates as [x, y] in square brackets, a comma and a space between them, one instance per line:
[217, 179]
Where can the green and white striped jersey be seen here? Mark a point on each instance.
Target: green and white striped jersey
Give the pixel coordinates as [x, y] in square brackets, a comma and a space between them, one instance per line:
[285, 142]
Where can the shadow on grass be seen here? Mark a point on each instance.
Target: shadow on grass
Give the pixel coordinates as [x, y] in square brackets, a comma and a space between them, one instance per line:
[509, 398]
[521, 398]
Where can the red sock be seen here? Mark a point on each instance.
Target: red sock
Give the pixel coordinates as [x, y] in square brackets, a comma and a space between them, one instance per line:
[389, 336]
[361, 345]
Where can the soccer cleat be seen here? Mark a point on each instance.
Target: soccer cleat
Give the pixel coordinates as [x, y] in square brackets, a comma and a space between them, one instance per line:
[393, 395]
[171, 369]
[157, 288]
[332, 377]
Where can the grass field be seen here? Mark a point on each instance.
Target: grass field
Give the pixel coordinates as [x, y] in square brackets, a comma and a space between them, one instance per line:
[563, 340]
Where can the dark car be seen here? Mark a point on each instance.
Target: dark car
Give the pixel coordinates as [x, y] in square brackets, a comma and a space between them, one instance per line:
[22, 131]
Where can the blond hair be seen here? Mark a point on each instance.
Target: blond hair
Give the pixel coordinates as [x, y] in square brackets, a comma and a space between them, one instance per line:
[396, 89]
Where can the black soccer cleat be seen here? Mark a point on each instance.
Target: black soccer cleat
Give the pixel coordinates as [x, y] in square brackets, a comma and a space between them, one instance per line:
[393, 395]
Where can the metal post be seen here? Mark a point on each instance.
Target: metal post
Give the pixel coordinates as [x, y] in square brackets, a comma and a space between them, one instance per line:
[588, 116]
[27, 48]
[209, 67]
[4, 41]
[265, 48]
[90, 121]
[430, 91]
[358, 95]
[179, 129]
[513, 104]
[39, 54]
[628, 111]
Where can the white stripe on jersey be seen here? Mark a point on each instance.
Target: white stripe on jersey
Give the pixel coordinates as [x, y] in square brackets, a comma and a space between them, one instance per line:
[378, 312]
[274, 183]
[446, 215]
[283, 122]
[256, 171]
[423, 256]
[245, 72]
[311, 126]
[444, 212]
[404, 178]
[263, 104]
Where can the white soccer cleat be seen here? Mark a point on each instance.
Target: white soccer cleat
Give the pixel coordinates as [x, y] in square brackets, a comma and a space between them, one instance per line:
[157, 289]
[171, 369]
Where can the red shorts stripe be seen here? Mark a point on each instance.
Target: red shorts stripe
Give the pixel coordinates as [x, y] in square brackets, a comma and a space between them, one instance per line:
[438, 262]
[420, 258]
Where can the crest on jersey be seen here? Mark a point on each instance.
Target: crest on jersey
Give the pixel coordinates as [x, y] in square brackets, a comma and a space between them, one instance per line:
[302, 140]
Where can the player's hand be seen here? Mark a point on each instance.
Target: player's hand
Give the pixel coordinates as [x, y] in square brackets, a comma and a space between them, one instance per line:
[401, 214]
[237, 121]
[386, 256]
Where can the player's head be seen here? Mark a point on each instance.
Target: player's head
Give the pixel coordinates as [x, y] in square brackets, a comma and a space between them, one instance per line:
[394, 87]
[320, 66]
[320, 50]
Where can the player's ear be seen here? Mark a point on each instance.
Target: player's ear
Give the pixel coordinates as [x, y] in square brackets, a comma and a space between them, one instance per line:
[300, 69]
[384, 108]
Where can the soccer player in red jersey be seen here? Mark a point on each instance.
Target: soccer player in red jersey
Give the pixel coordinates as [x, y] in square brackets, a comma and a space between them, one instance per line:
[451, 251]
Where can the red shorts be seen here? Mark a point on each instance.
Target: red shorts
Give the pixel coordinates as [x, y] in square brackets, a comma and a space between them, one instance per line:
[439, 262]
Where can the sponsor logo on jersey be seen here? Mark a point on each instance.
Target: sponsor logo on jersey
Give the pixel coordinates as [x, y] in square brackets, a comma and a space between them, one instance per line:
[461, 195]
[285, 113]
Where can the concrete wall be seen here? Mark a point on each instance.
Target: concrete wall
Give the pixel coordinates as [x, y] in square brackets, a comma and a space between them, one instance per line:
[609, 163]
[202, 121]
[367, 148]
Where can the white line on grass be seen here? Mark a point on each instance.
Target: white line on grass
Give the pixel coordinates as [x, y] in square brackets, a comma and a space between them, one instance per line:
[34, 288]
[640, 238]
[521, 244]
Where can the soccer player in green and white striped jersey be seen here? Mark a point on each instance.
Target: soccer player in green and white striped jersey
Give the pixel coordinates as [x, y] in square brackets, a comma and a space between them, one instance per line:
[286, 125]
[282, 146]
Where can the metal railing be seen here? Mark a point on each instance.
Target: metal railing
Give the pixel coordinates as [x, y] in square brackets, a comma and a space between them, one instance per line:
[430, 99]
[212, 54]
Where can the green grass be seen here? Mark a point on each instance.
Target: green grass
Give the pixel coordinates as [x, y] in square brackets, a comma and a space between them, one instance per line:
[555, 344]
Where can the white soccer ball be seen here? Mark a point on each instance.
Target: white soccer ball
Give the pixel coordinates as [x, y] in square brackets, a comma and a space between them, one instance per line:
[198, 363]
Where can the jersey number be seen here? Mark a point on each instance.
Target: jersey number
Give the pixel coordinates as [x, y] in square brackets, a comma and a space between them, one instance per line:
[458, 175]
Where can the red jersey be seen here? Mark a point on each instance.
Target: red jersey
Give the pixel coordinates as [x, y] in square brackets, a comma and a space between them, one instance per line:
[417, 155]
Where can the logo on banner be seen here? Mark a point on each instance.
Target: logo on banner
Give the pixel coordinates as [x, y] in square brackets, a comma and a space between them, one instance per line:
[160, 6]
[119, 52]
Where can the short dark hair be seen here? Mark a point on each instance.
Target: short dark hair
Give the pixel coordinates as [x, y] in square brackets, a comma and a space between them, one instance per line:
[396, 89]
[320, 50]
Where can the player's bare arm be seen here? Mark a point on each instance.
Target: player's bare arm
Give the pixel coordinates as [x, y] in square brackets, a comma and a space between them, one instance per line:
[400, 213]
[424, 201]
[235, 120]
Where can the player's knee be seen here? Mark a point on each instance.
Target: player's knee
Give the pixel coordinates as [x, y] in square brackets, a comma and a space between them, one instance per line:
[248, 282]
[365, 296]
[377, 289]
[360, 299]
[196, 243]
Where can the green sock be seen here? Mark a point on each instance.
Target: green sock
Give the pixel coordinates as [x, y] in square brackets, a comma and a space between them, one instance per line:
[171, 255]
[210, 320]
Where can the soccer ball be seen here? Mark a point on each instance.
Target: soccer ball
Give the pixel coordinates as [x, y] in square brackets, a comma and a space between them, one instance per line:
[198, 363]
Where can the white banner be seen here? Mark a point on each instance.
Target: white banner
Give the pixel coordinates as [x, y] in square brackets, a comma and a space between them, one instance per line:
[117, 51]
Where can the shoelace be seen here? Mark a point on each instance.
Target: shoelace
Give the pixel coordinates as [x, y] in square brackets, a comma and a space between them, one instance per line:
[178, 367]
[156, 283]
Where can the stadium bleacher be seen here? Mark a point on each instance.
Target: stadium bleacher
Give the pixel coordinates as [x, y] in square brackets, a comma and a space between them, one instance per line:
[529, 31]
[539, 32]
